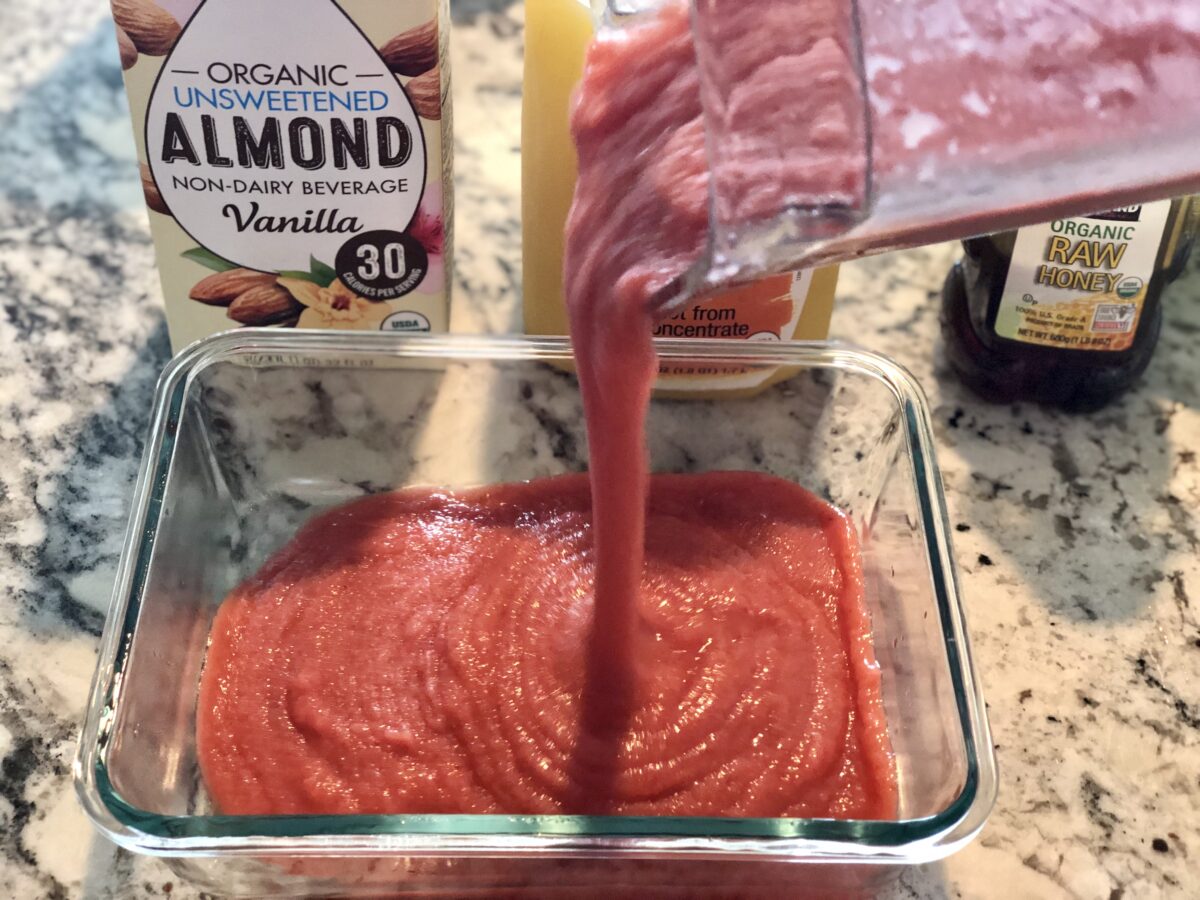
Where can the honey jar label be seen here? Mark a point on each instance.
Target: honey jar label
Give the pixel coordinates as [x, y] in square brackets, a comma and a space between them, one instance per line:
[1081, 283]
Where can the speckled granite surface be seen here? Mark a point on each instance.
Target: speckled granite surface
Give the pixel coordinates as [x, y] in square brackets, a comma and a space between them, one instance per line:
[1077, 537]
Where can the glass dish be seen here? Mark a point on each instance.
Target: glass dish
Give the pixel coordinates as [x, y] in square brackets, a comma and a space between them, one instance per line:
[253, 431]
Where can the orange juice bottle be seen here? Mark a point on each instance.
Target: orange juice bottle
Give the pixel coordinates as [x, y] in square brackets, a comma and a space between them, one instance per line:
[782, 307]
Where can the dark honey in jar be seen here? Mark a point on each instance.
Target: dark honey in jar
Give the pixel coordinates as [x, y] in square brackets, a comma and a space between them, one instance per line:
[1067, 313]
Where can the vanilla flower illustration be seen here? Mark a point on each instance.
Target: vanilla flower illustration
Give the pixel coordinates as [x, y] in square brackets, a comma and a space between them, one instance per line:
[334, 306]
[427, 228]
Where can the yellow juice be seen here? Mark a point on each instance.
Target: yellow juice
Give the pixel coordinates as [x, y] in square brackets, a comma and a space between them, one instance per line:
[556, 36]
[796, 306]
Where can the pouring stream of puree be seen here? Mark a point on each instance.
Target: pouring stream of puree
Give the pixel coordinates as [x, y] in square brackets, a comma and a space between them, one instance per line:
[668, 645]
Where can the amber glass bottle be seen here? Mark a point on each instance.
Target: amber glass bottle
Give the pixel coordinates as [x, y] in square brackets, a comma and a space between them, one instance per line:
[1067, 313]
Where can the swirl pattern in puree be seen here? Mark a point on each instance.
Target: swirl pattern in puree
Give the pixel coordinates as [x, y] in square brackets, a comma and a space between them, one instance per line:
[426, 652]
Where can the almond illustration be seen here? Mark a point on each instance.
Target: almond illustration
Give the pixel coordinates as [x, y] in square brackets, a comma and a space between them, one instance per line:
[125, 47]
[154, 199]
[267, 304]
[425, 92]
[152, 29]
[222, 288]
[413, 52]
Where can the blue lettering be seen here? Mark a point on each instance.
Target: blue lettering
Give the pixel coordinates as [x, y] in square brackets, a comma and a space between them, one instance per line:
[203, 98]
[228, 98]
[250, 98]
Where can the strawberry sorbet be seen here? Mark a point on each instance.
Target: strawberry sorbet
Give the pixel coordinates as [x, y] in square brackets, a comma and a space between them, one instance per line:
[426, 652]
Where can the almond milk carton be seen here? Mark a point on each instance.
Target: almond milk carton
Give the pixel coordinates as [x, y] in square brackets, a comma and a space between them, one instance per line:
[295, 156]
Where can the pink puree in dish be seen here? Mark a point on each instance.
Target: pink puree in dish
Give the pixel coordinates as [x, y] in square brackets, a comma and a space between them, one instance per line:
[688, 645]
[426, 652]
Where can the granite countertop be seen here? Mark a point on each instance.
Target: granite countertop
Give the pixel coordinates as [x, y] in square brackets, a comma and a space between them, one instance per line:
[1076, 536]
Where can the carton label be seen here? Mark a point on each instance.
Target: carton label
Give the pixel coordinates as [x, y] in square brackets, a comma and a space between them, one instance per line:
[769, 310]
[258, 135]
[294, 159]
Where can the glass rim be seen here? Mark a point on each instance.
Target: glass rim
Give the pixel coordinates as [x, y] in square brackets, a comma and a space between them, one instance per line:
[870, 841]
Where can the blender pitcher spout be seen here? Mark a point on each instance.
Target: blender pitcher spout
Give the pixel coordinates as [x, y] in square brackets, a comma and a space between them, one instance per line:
[787, 127]
[839, 128]
[787, 133]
